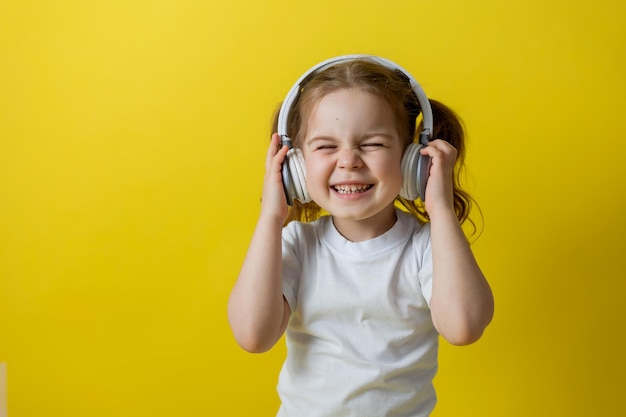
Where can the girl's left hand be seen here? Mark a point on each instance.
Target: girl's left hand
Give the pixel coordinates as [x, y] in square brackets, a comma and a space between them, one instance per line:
[440, 189]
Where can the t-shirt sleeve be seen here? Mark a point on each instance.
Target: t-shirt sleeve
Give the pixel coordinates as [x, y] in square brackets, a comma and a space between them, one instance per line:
[291, 266]
[425, 254]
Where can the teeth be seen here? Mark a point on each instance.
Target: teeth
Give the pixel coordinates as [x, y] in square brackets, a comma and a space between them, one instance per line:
[348, 189]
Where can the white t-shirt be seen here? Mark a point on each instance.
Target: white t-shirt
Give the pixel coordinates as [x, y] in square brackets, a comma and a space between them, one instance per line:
[360, 340]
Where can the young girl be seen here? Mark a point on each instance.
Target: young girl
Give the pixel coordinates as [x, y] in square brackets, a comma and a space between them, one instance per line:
[362, 279]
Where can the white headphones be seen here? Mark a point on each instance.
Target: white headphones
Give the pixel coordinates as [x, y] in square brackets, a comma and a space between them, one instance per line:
[414, 166]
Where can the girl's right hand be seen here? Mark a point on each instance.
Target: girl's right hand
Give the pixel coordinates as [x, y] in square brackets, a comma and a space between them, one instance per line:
[274, 202]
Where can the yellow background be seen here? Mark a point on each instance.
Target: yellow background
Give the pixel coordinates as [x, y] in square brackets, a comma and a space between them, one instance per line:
[132, 143]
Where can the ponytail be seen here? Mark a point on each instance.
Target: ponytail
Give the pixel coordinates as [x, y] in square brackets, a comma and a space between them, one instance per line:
[449, 127]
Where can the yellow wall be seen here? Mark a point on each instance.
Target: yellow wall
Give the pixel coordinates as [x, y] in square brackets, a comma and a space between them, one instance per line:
[132, 143]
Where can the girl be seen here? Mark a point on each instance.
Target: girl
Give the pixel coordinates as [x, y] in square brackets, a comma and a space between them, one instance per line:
[362, 279]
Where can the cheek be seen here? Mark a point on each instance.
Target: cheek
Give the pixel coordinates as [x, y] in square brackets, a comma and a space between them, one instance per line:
[315, 168]
[396, 176]
[390, 172]
[389, 166]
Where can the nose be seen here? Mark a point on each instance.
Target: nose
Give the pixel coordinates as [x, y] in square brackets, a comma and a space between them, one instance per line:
[349, 158]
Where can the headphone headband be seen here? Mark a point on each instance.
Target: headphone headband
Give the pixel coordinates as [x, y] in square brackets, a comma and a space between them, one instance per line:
[285, 109]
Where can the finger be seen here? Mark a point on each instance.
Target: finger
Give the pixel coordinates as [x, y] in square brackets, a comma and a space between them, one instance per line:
[440, 150]
[273, 149]
[275, 165]
[432, 150]
[441, 145]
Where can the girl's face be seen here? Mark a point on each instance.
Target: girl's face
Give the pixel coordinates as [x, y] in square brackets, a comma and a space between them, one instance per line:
[352, 155]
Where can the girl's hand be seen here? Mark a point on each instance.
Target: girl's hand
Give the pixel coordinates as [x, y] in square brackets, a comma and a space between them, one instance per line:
[461, 304]
[257, 310]
[274, 202]
[440, 191]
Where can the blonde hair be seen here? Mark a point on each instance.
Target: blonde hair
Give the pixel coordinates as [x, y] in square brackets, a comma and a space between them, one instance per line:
[393, 87]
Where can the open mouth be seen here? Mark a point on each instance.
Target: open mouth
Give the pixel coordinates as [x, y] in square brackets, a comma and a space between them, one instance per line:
[352, 188]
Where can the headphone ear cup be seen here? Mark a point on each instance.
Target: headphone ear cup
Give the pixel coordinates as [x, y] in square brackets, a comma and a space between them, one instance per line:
[294, 177]
[290, 192]
[423, 170]
[415, 168]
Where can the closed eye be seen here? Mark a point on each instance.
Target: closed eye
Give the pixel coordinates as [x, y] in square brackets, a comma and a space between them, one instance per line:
[372, 145]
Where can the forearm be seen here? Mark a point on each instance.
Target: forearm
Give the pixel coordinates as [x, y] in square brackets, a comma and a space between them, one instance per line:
[256, 307]
[462, 301]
